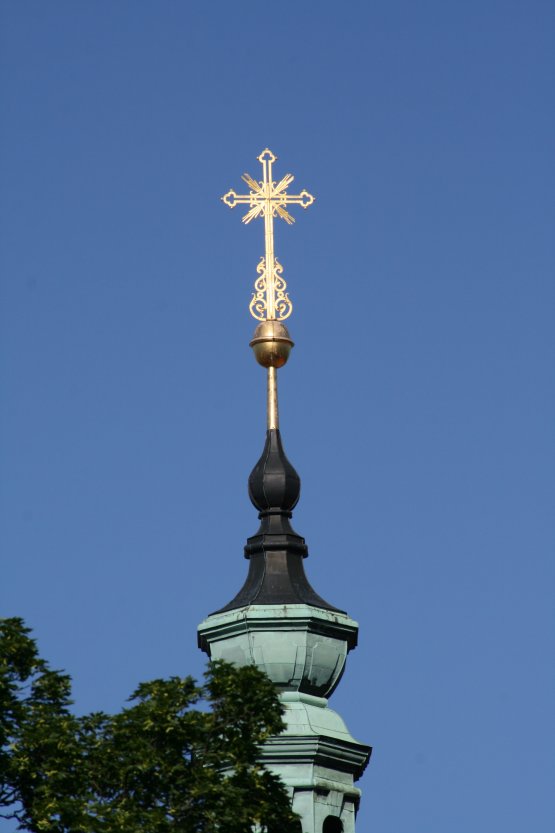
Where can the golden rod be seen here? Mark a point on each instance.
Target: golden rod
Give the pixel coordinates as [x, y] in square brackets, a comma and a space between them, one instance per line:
[273, 415]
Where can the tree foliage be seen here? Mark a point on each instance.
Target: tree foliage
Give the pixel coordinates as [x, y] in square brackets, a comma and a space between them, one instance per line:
[161, 764]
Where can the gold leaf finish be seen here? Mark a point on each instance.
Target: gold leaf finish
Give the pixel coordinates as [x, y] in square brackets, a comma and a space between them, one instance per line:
[268, 199]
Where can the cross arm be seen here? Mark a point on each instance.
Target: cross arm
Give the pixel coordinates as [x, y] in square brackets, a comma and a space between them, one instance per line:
[304, 199]
[232, 199]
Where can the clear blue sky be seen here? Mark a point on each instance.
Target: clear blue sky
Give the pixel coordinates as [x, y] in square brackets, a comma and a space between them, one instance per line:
[418, 405]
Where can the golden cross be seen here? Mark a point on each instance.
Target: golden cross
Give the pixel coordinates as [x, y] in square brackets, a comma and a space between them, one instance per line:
[268, 198]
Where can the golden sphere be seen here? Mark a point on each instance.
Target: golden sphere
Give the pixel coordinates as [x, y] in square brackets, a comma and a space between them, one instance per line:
[271, 343]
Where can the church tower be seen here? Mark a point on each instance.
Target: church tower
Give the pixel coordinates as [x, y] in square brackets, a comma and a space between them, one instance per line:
[277, 620]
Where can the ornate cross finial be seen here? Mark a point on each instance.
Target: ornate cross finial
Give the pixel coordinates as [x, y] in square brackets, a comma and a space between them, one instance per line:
[267, 198]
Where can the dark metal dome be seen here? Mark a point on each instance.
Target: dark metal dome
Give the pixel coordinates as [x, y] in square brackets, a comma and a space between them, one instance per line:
[274, 485]
[276, 571]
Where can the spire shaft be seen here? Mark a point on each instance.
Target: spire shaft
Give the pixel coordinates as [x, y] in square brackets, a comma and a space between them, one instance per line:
[273, 414]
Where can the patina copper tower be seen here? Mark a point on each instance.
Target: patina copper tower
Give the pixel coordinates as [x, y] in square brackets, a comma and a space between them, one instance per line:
[277, 620]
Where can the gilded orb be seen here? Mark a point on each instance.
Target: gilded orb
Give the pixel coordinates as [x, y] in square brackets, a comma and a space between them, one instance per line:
[271, 343]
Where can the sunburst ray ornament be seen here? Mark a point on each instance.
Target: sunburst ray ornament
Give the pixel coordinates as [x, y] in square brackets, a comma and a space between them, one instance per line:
[270, 300]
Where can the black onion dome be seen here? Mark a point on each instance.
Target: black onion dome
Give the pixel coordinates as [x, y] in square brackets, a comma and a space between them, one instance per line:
[276, 552]
[274, 484]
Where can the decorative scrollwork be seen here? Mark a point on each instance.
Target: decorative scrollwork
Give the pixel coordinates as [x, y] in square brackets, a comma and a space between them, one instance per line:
[261, 304]
[258, 305]
[282, 304]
